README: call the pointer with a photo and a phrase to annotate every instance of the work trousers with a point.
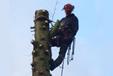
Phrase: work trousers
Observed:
(63, 49)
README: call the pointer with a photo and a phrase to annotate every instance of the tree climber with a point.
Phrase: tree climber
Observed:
(62, 34)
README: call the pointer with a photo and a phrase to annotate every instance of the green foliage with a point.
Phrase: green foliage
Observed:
(54, 28)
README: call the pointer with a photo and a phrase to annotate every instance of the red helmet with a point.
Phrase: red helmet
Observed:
(68, 7)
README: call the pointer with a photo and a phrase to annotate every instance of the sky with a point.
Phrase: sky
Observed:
(94, 41)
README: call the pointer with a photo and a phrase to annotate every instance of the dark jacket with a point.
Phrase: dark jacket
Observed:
(69, 26)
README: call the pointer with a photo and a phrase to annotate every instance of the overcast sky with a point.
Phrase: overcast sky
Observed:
(94, 41)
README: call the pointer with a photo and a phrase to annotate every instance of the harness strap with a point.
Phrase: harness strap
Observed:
(73, 48)
(68, 54)
(69, 50)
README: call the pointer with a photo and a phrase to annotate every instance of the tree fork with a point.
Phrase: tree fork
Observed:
(41, 49)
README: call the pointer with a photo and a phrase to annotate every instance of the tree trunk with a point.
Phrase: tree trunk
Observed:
(41, 51)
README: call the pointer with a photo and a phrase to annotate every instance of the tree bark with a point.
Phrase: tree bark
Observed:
(41, 48)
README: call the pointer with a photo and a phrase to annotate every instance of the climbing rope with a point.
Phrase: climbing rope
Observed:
(54, 11)
(62, 68)
(68, 55)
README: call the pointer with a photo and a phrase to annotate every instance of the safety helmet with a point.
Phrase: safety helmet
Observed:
(68, 7)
